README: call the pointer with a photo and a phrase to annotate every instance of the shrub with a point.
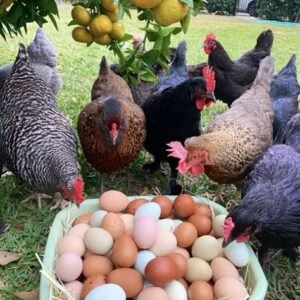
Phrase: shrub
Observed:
(221, 7)
(278, 9)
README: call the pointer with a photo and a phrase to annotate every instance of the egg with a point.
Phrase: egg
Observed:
(153, 293)
(198, 269)
(150, 209)
(130, 280)
(183, 282)
(113, 201)
(165, 225)
(113, 223)
(186, 234)
(97, 264)
(128, 221)
(79, 230)
(98, 240)
(218, 223)
(143, 257)
(180, 262)
(144, 232)
(202, 209)
(124, 251)
(176, 291)
(97, 217)
(74, 288)
(68, 266)
(202, 223)
(70, 243)
(221, 251)
(160, 271)
(134, 205)
(221, 267)
(184, 205)
(182, 251)
(205, 247)
(230, 288)
(105, 292)
(177, 222)
(237, 253)
(200, 290)
(165, 204)
(164, 243)
(90, 283)
(84, 218)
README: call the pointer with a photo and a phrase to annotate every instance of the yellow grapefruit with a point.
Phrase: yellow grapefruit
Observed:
(109, 5)
(100, 25)
(82, 35)
(81, 15)
(113, 15)
(104, 39)
(118, 30)
(146, 3)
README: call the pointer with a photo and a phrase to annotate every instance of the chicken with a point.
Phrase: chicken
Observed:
(284, 94)
(43, 60)
(233, 78)
(178, 71)
(172, 114)
(112, 127)
(235, 139)
(37, 142)
(270, 208)
(291, 135)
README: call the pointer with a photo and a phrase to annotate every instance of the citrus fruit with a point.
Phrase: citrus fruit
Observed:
(118, 31)
(113, 15)
(104, 39)
(146, 3)
(100, 25)
(82, 35)
(109, 5)
(81, 15)
(169, 12)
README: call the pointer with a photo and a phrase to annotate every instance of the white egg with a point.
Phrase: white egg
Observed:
(97, 217)
(217, 225)
(106, 291)
(177, 222)
(237, 253)
(166, 225)
(206, 247)
(151, 210)
(176, 291)
(143, 257)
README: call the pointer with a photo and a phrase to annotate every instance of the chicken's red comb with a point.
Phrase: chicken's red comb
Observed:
(177, 150)
(78, 190)
(227, 228)
(209, 76)
(210, 36)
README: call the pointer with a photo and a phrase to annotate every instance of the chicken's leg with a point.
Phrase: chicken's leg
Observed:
(38, 197)
(59, 202)
(175, 188)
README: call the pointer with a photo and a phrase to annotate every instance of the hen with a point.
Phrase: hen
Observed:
(270, 209)
(36, 141)
(112, 127)
(42, 56)
(235, 139)
(172, 114)
(284, 94)
(291, 135)
(233, 78)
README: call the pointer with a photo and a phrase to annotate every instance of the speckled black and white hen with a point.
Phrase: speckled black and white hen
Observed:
(36, 140)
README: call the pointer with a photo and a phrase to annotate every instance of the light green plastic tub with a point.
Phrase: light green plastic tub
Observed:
(255, 278)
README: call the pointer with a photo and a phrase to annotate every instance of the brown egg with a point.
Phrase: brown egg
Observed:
(182, 251)
(96, 264)
(201, 290)
(230, 288)
(160, 271)
(88, 253)
(134, 205)
(186, 234)
(129, 279)
(222, 267)
(90, 283)
(181, 263)
(202, 209)
(202, 223)
(165, 204)
(124, 251)
(85, 218)
(184, 205)
(113, 223)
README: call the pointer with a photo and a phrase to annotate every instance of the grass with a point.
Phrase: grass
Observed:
(78, 65)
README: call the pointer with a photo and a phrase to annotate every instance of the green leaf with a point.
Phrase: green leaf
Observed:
(73, 22)
(149, 76)
(185, 22)
(49, 5)
(190, 3)
(53, 21)
(146, 14)
(150, 57)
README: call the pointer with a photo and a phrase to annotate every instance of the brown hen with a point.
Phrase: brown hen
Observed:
(111, 127)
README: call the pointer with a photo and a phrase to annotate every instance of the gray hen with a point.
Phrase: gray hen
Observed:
(37, 142)
(43, 58)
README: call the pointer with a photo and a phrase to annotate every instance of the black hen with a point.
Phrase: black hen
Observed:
(284, 94)
(174, 115)
(291, 135)
(270, 208)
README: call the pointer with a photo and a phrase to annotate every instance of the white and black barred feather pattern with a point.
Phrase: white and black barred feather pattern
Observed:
(36, 141)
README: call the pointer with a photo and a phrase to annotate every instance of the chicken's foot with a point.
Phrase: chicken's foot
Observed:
(38, 197)
(60, 202)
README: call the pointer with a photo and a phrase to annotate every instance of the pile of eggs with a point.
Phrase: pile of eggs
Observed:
(148, 250)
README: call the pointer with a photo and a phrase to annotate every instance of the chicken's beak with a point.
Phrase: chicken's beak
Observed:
(210, 96)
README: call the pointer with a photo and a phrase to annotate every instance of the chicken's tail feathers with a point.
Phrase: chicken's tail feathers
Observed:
(104, 67)
(265, 41)
(22, 60)
(265, 72)
(290, 67)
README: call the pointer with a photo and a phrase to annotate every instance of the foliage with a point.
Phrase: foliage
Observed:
(278, 9)
(15, 15)
(221, 7)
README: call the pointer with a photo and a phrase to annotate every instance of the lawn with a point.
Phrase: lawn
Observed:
(78, 65)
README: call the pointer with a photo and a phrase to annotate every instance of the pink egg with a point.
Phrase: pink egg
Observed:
(152, 293)
(113, 201)
(68, 266)
(74, 288)
(164, 244)
(70, 243)
(79, 230)
(128, 222)
(144, 232)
